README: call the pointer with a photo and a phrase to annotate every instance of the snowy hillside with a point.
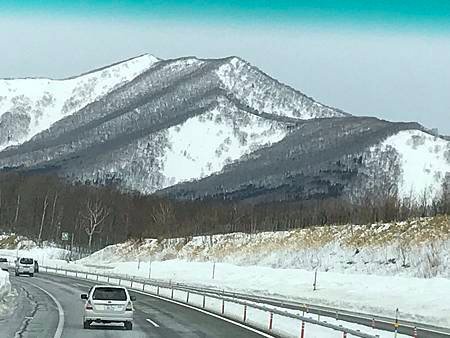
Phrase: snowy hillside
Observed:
(29, 106)
(424, 162)
(182, 153)
(406, 248)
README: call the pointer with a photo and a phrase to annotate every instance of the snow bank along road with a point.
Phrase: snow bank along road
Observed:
(50, 306)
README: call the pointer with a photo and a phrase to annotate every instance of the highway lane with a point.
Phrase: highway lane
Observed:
(36, 314)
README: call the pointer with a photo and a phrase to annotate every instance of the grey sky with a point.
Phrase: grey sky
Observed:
(395, 76)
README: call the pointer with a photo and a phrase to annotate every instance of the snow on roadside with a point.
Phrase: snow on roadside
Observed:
(5, 289)
(13, 246)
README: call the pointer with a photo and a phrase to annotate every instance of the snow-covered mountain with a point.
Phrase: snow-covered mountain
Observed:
(181, 119)
(29, 106)
(224, 127)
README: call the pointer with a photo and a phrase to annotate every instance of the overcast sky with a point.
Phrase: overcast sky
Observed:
(392, 62)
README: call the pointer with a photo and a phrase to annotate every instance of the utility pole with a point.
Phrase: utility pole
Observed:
(150, 269)
(214, 270)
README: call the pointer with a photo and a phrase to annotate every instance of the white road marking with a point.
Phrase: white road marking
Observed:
(261, 333)
(152, 322)
(80, 285)
(60, 327)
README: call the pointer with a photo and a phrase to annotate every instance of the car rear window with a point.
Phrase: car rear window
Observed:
(3, 260)
(27, 261)
(109, 294)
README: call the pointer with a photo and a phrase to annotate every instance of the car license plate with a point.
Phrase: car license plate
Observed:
(113, 307)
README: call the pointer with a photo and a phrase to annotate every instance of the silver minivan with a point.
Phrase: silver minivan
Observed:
(24, 266)
(108, 304)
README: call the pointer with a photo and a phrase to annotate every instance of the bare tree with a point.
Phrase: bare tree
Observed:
(16, 216)
(53, 210)
(96, 214)
(44, 211)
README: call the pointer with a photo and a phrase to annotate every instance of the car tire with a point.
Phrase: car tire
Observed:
(17, 274)
(31, 274)
(128, 326)
(86, 324)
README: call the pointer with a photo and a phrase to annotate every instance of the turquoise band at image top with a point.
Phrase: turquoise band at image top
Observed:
(431, 12)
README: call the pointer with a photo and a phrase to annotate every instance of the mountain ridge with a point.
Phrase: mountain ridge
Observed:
(191, 119)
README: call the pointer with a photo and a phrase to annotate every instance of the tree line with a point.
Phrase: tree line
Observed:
(42, 207)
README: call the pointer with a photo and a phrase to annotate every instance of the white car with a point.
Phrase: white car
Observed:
(24, 266)
(4, 265)
(108, 304)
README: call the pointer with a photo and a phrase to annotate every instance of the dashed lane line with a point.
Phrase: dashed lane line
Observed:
(152, 322)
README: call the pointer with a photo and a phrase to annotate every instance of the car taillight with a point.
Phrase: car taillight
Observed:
(129, 307)
(89, 305)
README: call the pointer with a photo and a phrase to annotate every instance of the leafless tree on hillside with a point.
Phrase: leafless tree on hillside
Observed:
(96, 214)
(44, 211)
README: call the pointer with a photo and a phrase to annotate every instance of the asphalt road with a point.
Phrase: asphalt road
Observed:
(35, 314)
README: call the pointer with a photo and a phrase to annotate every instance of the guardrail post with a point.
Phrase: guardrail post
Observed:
(245, 314)
(396, 324)
(143, 286)
(305, 309)
(120, 280)
(373, 323)
(270, 321)
(86, 276)
(223, 306)
(337, 315)
(157, 290)
(97, 277)
(187, 297)
(302, 332)
(204, 301)
(131, 285)
(171, 294)
(108, 279)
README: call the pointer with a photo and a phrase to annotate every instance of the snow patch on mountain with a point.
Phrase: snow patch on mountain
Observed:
(29, 106)
(424, 162)
(267, 95)
(223, 139)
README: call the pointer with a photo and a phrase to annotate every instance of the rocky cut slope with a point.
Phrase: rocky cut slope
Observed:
(181, 119)
(29, 106)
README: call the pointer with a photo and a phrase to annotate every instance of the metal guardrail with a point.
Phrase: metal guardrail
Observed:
(223, 296)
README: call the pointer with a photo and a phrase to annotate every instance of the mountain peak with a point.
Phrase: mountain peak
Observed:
(29, 106)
